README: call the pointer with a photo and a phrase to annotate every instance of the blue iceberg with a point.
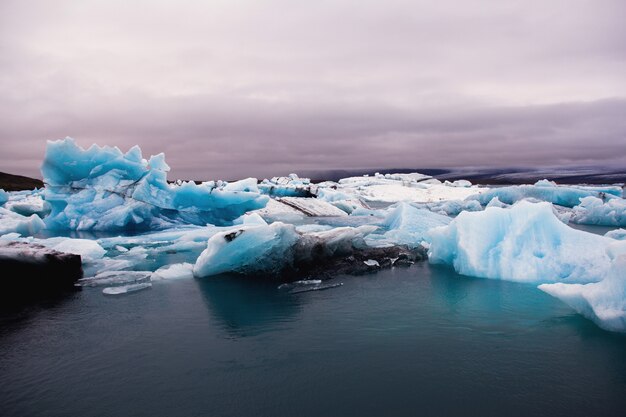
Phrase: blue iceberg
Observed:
(567, 196)
(102, 188)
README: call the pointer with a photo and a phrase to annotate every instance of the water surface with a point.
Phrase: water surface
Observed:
(408, 341)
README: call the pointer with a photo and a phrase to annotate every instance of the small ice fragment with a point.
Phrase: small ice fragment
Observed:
(315, 288)
(125, 289)
(301, 283)
(121, 248)
(174, 271)
(371, 262)
(114, 277)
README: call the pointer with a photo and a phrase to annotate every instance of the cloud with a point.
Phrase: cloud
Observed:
(231, 89)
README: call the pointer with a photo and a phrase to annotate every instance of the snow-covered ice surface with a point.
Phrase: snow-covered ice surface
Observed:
(400, 187)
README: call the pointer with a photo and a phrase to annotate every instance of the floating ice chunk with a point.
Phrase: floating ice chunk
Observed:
(174, 271)
(114, 277)
(125, 289)
(525, 243)
(603, 302)
(313, 207)
(331, 195)
(454, 207)
(301, 283)
(495, 202)
(291, 186)
(277, 211)
(592, 210)
(618, 234)
(251, 219)
(84, 247)
(372, 262)
(316, 288)
(28, 203)
(458, 183)
(409, 226)
(105, 189)
(248, 249)
(271, 249)
(568, 196)
(11, 222)
(545, 183)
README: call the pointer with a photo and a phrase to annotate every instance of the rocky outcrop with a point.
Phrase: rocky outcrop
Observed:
(31, 268)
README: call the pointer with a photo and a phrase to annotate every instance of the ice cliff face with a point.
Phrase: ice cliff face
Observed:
(102, 188)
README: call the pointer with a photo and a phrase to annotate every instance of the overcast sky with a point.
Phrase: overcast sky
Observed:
(240, 88)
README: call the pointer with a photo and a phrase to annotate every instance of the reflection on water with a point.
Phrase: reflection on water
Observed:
(247, 306)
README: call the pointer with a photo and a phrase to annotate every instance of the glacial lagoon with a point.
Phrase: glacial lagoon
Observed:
(421, 340)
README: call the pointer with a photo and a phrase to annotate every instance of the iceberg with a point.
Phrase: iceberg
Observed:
(593, 210)
(453, 207)
(4, 197)
(525, 243)
(393, 188)
(603, 302)
(249, 249)
(291, 186)
(125, 289)
(114, 278)
(102, 188)
(567, 196)
(280, 248)
(86, 248)
(173, 271)
(409, 226)
(28, 203)
(11, 222)
(617, 234)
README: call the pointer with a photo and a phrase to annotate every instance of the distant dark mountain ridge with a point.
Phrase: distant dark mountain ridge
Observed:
(10, 182)
(496, 176)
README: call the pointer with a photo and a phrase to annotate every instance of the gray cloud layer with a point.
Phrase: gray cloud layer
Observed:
(238, 88)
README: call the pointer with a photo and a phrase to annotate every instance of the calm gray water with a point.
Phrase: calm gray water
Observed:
(404, 342)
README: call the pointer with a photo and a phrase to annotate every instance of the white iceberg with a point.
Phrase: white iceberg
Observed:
(603, 302)
(28, 203)
(525, 243)
(409, 226)
(173, 271)
(11, 222)
(593, 210)
(290, 186)
(125, 289)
